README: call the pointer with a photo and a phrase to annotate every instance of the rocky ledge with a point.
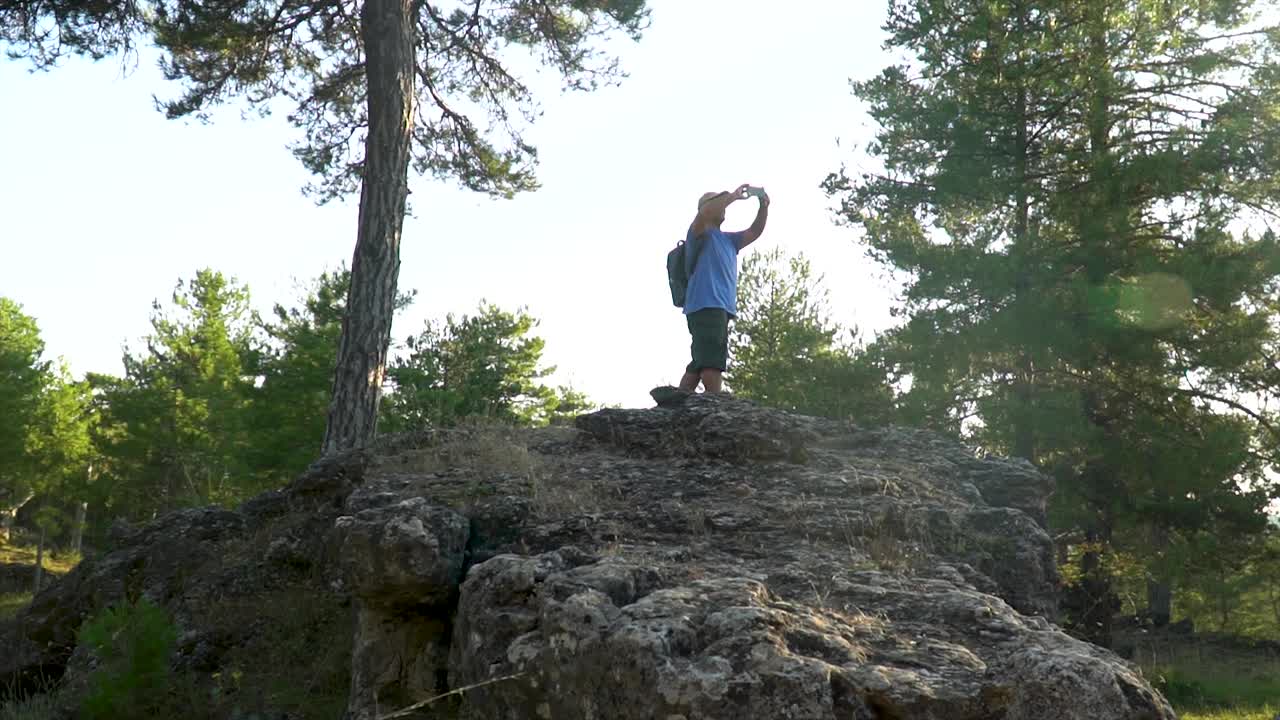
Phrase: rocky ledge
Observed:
(713, 559)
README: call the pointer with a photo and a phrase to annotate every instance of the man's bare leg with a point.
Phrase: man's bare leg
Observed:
(689, 383)
(712, 380)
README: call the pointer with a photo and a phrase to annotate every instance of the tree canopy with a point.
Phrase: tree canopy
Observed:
(486, 364)
(788, 353)
(1076, 194)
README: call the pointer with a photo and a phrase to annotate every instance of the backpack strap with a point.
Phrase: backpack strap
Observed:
(697, 253)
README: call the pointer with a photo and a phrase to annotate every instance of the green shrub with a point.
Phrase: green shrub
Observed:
(132, 645)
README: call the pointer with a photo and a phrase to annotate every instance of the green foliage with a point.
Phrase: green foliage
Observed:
(296, 369)
(297, 375)
(1232, 585)
(45, 445)
(176, 426)
(1216, 691)
(786, 351)
(1205, 687)
(132, 644)
(474, 106)
(566, 403)
(220, 404)
(1067, 202)
(23, 377)
(256, 52)
(482, 365)
(1209, 676)
(62, 448)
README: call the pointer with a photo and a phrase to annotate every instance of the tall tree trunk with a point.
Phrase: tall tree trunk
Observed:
(39, 575)
(1098, 604)
(10, 513)
(1224, 600)
(1159, 582)
(1023, 433)
(1273, 591)
(1159, 601)
(1091, 602)
(77, 532)
(387, 31)
(1095, 228)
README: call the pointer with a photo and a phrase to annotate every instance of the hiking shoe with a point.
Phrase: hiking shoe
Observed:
(668, 396)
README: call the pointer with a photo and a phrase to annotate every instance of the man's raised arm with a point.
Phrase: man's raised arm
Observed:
(714, 208)
(754, 232)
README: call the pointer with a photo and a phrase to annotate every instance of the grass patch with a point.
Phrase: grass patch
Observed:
(1206, 680)
(1267, 712)
(1203, 689)
(58, 562)
(11, 603)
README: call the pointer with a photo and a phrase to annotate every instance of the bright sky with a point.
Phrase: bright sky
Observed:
(104, 204)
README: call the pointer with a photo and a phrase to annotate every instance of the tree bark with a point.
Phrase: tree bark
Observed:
(386, 29)
(1095, 620)
(77, 533)
(1023, 434)
(1159, 601)
(39, 575)
(10, 513)
(1160, 584)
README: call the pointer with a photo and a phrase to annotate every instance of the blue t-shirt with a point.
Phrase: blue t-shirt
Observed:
(714, 283)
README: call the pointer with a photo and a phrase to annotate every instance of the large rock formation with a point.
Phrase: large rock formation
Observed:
(708, 560)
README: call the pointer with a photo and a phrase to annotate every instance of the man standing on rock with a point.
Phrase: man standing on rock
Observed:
(712, 296)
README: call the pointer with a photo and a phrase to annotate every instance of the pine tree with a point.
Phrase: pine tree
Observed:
(23, 378)
(788, 353)
(178, 421)
(481, 365)
(1064, 182)
(376, 87)
(296, 371)
(61, 451)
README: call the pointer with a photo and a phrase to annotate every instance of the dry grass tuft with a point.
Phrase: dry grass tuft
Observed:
(561, 491)
(486, 447)
(11, 603)
(498, 458)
